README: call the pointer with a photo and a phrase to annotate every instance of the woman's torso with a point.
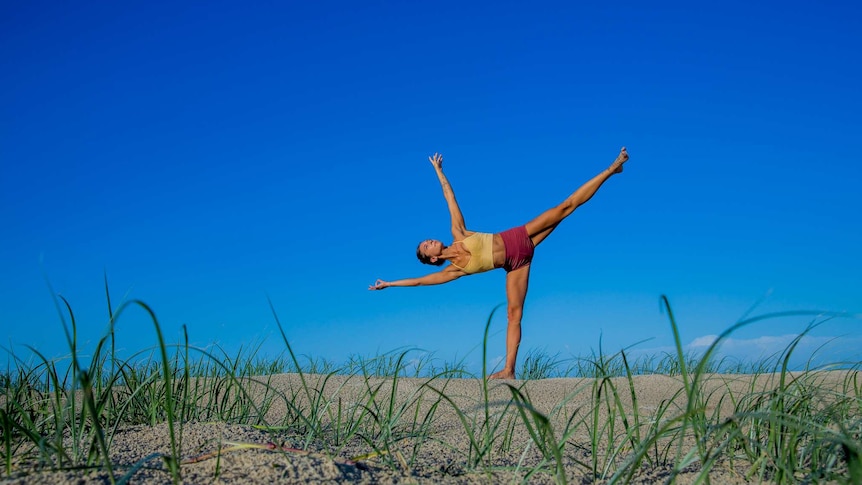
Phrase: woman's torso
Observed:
(481, 252)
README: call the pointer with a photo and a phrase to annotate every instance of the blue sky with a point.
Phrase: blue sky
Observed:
(208, 156)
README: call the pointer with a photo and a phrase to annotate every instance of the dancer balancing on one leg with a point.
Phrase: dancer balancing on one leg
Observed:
(476, 252)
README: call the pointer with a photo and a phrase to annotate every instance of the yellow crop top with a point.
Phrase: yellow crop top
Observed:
(481, 247)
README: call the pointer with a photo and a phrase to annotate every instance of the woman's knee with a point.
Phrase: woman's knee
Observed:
(568, 207)
(562, 211)
(514, 314)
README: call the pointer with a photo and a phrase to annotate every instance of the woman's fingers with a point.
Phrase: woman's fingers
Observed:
(436, 160)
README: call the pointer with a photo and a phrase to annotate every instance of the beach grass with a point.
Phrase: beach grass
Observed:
(404, 414)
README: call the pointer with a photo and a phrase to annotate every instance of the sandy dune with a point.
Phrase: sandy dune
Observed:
(422, 437)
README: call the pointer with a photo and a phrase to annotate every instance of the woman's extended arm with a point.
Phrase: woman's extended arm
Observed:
(459, 229)
(447, 274)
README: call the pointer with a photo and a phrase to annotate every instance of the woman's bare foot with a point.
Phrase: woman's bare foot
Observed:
(617, 166)
(503, 374)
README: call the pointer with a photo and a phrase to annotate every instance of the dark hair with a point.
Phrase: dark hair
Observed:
(425, 259)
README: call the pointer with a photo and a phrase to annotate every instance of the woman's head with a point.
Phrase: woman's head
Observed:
(429, 252)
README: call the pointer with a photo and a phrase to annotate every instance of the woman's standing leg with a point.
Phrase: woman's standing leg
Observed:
(516, 292)
(540, 227)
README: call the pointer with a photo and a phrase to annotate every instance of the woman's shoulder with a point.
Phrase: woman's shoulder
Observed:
(462, 235)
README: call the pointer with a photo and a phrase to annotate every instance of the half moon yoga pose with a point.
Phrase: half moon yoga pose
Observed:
(476, 252)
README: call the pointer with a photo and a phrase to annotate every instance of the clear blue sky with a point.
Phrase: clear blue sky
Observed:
(206, 155)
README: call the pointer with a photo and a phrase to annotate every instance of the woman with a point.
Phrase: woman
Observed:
(476, 252)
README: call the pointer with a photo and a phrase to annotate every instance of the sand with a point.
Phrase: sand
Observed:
(444, 454)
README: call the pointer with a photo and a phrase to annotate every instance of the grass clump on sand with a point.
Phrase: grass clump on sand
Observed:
(385, 417)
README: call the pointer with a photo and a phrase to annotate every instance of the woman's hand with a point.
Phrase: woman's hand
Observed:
(379, 285)
(437, 161)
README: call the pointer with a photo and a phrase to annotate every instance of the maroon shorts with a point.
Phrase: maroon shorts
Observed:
(519, 248)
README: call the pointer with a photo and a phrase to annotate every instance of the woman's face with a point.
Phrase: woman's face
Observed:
(431, 248)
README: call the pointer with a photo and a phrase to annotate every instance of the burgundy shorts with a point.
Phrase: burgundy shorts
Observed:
(519, 248)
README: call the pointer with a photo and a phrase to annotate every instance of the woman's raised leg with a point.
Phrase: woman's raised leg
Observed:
(540, 227)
